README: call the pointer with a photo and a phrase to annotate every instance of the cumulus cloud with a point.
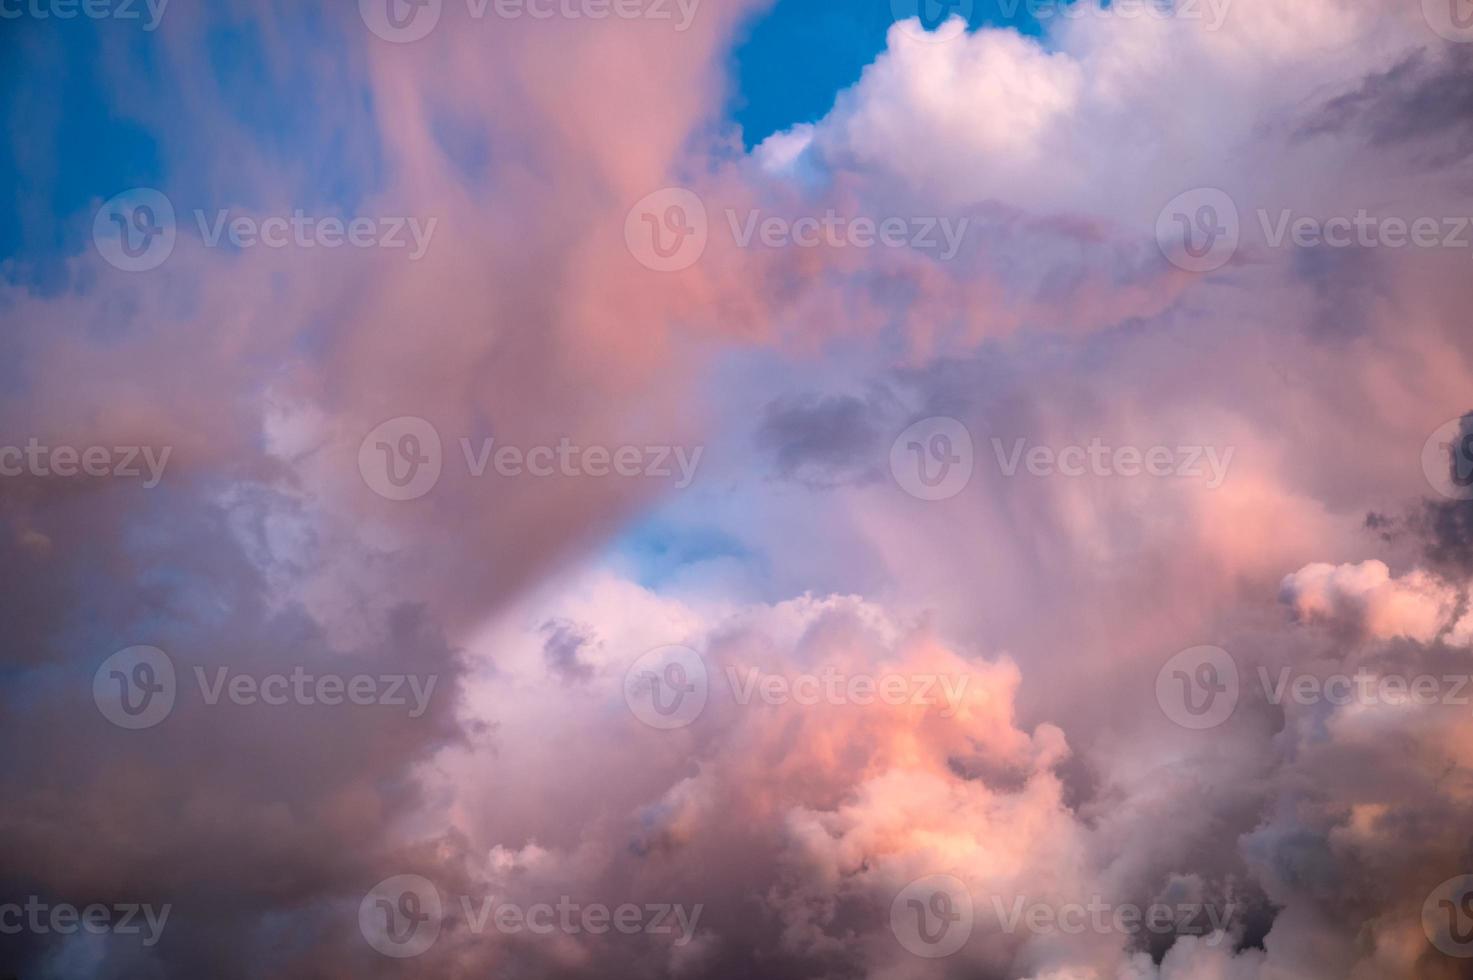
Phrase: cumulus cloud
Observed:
(1417, 606)
(1037, 767)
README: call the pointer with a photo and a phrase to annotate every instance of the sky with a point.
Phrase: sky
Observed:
(758, 488)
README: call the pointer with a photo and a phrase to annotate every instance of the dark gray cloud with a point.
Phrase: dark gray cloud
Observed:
(1425, 101)
(565, 639)
(826, 441)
